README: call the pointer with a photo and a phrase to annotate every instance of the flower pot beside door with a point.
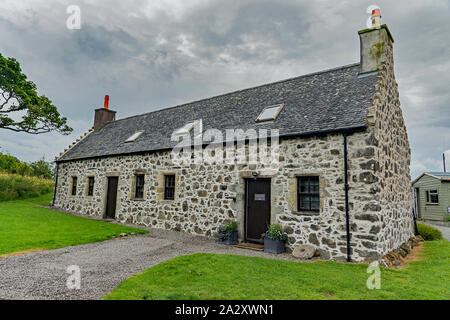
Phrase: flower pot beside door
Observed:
(228, 233)
(275, 239)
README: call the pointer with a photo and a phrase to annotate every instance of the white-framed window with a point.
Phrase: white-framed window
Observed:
(432, 196)
(270, 113)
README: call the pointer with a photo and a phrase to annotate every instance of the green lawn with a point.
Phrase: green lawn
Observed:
(212, 276)
(25, 226)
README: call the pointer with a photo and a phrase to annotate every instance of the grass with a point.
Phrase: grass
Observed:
(14, 186)
(25, 226)
(212, 276)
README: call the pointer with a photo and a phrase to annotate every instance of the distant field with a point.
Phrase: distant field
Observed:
(24, 226)
(14, 186)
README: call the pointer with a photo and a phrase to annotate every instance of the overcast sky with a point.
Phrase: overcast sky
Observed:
(152, 54)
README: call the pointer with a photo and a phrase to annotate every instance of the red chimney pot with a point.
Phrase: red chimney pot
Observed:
(376, 13)
(106, 102)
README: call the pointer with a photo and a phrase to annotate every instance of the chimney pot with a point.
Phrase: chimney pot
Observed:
(376, 18)
(103, 115)
(106, 106)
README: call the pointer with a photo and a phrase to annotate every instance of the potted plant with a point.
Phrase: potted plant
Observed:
(275, 239)
(228, 233)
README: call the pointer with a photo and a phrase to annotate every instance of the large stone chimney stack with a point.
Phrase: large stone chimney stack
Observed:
(374, 44)
(103, 115)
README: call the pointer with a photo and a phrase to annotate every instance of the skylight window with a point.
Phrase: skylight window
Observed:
(187, 128)
(270, 113)
(135, 136)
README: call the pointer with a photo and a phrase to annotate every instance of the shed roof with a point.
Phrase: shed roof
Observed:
(443, 176)
(328, 101)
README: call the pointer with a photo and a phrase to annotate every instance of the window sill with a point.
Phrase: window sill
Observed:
(306, 213)
(137, 199)
(164, 201)
(431, 204)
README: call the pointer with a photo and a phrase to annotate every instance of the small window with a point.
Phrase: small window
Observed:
(140, 181)
(432, 196)
(308, 194)
(91, 186)
(270, 113)
(169, 187)
(74, 185)
(135, 136)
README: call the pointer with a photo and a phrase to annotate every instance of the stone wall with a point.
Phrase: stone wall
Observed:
(208, 195)
(391, 167)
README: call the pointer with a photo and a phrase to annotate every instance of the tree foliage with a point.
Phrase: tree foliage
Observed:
(41, 168)
(21, 108)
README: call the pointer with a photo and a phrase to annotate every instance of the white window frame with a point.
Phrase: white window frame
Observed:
(428, 196)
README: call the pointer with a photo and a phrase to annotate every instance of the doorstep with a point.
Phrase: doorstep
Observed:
(250, 246)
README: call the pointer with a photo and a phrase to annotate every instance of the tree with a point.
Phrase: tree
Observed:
(8, 163)
(42, 169)
(21, 108)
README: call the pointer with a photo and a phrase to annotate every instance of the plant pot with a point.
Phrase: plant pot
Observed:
(231, 240)
(274, 246)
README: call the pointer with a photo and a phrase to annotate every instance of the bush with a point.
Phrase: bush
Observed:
(13, 186)
(276, 232)
(429, 233)
(447, 218)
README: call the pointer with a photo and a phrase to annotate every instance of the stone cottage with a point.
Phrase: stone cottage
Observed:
(341, 182)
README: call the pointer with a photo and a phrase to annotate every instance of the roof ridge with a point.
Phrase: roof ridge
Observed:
(242, 90)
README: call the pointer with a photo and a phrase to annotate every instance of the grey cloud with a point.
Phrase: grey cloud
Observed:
(179, 51)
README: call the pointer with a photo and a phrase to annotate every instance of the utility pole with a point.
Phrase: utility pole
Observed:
(443, 159)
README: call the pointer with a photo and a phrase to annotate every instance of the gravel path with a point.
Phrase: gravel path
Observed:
(103, 265)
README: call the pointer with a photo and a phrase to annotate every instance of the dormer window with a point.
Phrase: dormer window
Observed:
(270, 113)
(135, 136)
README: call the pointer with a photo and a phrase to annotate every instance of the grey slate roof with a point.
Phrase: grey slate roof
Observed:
(321, 102)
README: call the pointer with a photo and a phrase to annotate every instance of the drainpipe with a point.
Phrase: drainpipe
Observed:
(56, 184)
(347, 216)
(416, 231)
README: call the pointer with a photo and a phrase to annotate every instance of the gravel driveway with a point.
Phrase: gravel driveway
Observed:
(103, 265)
